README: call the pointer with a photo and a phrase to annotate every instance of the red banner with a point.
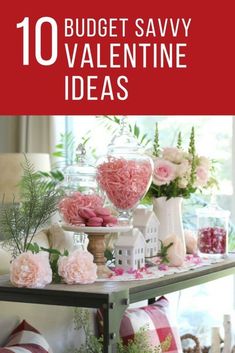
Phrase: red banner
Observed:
(151, 57)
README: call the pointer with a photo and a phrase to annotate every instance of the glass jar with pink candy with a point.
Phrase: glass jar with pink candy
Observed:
(125, 173)
(82, 202)
(212, 225)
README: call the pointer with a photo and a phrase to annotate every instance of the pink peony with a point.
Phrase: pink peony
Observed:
(164, 172)
(202, 176)
(31, 270)
(176, 252)
(78, 267)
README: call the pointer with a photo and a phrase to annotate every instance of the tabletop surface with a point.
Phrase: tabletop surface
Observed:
(179, 281)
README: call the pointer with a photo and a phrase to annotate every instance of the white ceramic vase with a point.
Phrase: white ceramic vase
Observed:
(169, 214)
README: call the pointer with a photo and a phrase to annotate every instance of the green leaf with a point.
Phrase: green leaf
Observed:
(136, 131)
(51, 251)
(66, 253)
(57, 154)
(59, 145)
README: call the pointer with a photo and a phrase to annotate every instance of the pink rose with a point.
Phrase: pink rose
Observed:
(78, 267)
(202, 176)
(164, 172)
(31, 270)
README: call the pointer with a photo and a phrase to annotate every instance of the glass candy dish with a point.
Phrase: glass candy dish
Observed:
(125, 173)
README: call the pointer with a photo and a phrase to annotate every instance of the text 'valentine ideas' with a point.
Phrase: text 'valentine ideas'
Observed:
(98, 55)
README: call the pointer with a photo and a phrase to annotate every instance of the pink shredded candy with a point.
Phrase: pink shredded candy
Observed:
(86, 210)
(124, 181)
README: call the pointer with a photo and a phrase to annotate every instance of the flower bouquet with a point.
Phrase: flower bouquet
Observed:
(177, 174)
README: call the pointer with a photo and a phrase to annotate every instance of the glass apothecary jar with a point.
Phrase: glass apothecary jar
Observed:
(212, 229)
(79, 190)
(125, 173)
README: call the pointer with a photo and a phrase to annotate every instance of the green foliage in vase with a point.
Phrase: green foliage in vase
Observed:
(93, 344)
(111, 123)
(156, 145)
(19, 222)
(179, 173)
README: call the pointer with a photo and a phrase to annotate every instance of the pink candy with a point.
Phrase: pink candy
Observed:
(86, 210)
(124, 181)
(102, 211)
(109, 220)
(212, 240)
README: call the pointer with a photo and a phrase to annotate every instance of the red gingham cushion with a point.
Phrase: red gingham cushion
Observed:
(26, 339)
(157, 320)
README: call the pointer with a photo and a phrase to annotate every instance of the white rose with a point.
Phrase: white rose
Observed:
(173, 154)
(183, 183)
(183, 168)
(204, 162)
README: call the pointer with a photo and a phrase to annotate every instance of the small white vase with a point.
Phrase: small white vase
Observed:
(169, 214)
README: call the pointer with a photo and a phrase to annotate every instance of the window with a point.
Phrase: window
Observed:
(120, 252)
(119, 262)
(128, 252)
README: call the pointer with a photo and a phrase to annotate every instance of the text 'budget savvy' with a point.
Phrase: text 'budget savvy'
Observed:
(121, 27)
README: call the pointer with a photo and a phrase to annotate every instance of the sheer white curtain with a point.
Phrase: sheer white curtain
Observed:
(29, 134)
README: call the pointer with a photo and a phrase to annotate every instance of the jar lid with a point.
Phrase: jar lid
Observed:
(123, 141)
(212, 210)
(82, 165)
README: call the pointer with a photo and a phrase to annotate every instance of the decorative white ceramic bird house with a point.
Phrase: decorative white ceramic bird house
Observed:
(147, 222)
(130, 250)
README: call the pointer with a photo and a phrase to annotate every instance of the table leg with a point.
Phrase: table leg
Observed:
(113, 313)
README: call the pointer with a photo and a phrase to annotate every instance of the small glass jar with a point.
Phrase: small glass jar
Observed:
(79, 193)
(125, 173)
(212, 229)
(80, 176)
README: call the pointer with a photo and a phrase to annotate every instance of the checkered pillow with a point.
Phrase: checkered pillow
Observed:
(26, 339)
(156, 319)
